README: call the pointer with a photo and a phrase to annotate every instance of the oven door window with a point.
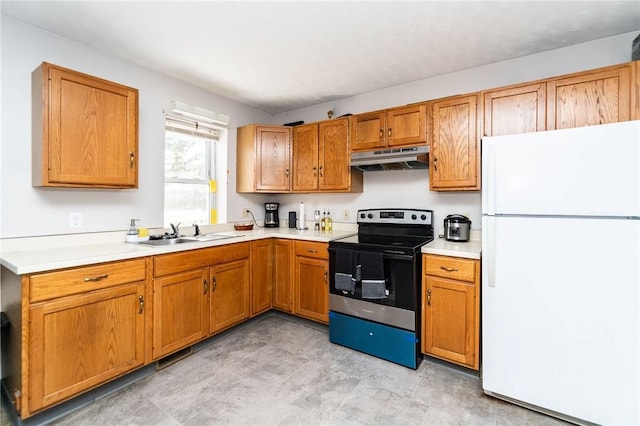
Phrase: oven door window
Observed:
(400, 273)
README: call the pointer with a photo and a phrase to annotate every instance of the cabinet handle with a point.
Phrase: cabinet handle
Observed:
(94, 279)
(141, 302)
(215, 284)
(321, 171)
(287, 173)
(429, 297)
(312, 250)
(381, 133)
(445, 268)
(389, 132)
(314, 171)
(206, 286)
(326, 276)
(132, 159)
(435, 164)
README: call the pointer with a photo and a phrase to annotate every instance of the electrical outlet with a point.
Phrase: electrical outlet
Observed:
(345, 214)
(75, 220)
(245, 212)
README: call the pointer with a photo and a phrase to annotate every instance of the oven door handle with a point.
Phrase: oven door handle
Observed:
(397, 255)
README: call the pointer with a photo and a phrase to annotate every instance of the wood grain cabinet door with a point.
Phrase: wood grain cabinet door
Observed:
(229, 294)
(455, 158)
(261, 275)
(312, 288)
(282, 276)
(590, 98)
(180, 311)
(334, 172)
(90, 131)
(513, 110)
(407, 126)
(79, 342)
(367, 131)
(304, 159)
(273, 145)
(449, 328)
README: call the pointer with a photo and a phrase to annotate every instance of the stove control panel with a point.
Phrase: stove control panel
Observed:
(396, 216)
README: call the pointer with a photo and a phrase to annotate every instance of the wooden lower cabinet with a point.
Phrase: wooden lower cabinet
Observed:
(451, 309)
(312, 280)
(283, 275)
(261, 276)
(180, 304)
(229, 295)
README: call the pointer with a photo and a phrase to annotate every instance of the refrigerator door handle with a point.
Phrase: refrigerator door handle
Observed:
(490, 250)
(488, 177)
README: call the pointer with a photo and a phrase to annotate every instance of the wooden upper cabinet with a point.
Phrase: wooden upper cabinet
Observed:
(264, 159)
(402, 126)
(407, 126)
(321, 158)
(516, 109)
(305, 157)
(334, 172)
(590, 98)
(89, 130)
(455, 156)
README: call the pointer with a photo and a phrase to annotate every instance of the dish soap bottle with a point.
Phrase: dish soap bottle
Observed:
(323, 221)
(132, 233)
(329, 224)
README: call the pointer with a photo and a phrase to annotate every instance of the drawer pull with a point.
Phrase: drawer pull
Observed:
(94, 279)
(141, 302)
(312, 250)
(429, 297)
(206, 286)
(445, 268)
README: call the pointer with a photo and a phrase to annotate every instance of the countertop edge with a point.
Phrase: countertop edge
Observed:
(468, 250)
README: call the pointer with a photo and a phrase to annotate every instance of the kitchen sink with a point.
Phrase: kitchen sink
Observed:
(167, 241)
(212, 237)
(190, 239)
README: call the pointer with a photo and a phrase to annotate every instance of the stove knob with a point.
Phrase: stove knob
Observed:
(361, 215)
(414, 217)
(423, 217)
(370, 216)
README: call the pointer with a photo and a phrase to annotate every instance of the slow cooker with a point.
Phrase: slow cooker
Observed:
(456, 227)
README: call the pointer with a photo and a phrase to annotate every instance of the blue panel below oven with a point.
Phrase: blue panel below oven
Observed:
(390, 343)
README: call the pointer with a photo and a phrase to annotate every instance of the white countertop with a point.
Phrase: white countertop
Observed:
(470, 250)
(41, 254)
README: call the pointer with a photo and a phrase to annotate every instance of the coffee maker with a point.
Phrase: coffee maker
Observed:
(271, 219)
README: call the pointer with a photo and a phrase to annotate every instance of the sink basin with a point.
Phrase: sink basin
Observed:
(167, 241)
(212, 237)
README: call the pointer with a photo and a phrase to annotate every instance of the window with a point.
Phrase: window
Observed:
(194, 155)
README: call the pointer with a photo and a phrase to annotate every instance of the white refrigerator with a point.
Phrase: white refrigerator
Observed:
(561, 272)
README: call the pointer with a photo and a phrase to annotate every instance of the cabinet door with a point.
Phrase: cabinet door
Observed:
(81, 341)
(261, 275)
(305, 158)
(449, 322)
(334, 170)
(455, 158)
(229, 294)
(513, 110)
(367, 131)
(90, 136)
(180, 310)
(312, 288)
(273, 145)
(282, 276)
(407, 126)
(590, 98)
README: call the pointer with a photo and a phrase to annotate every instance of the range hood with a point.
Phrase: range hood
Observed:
(416, 157)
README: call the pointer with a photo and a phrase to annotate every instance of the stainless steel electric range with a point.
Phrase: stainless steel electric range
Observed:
(375, 277)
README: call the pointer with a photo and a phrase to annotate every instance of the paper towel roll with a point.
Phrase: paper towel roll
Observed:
(302, 219)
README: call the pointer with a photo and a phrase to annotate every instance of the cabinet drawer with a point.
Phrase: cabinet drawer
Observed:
(194, 259)
(450, 267)
(312, 249)
(80, 280)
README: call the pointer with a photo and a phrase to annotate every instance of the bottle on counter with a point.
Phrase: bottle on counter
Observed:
(323, 221)
(329, 224)
(316, 217)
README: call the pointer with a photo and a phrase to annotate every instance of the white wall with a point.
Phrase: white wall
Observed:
(411, 188)
(28, 211)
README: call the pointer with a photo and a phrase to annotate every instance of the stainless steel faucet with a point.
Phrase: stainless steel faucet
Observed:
(176, 229)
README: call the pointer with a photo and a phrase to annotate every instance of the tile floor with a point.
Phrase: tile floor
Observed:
(280, 370)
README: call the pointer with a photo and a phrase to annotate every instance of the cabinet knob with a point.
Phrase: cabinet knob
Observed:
(321, 171)
(435, 164)
(215, 284)
(381, 134)
(429, 297)
(314, 171)
(389, 132)
(141, 304)
(206, 286)
(132, 159)
(326, 277)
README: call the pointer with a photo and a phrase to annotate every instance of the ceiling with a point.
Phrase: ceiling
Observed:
(283, 55)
